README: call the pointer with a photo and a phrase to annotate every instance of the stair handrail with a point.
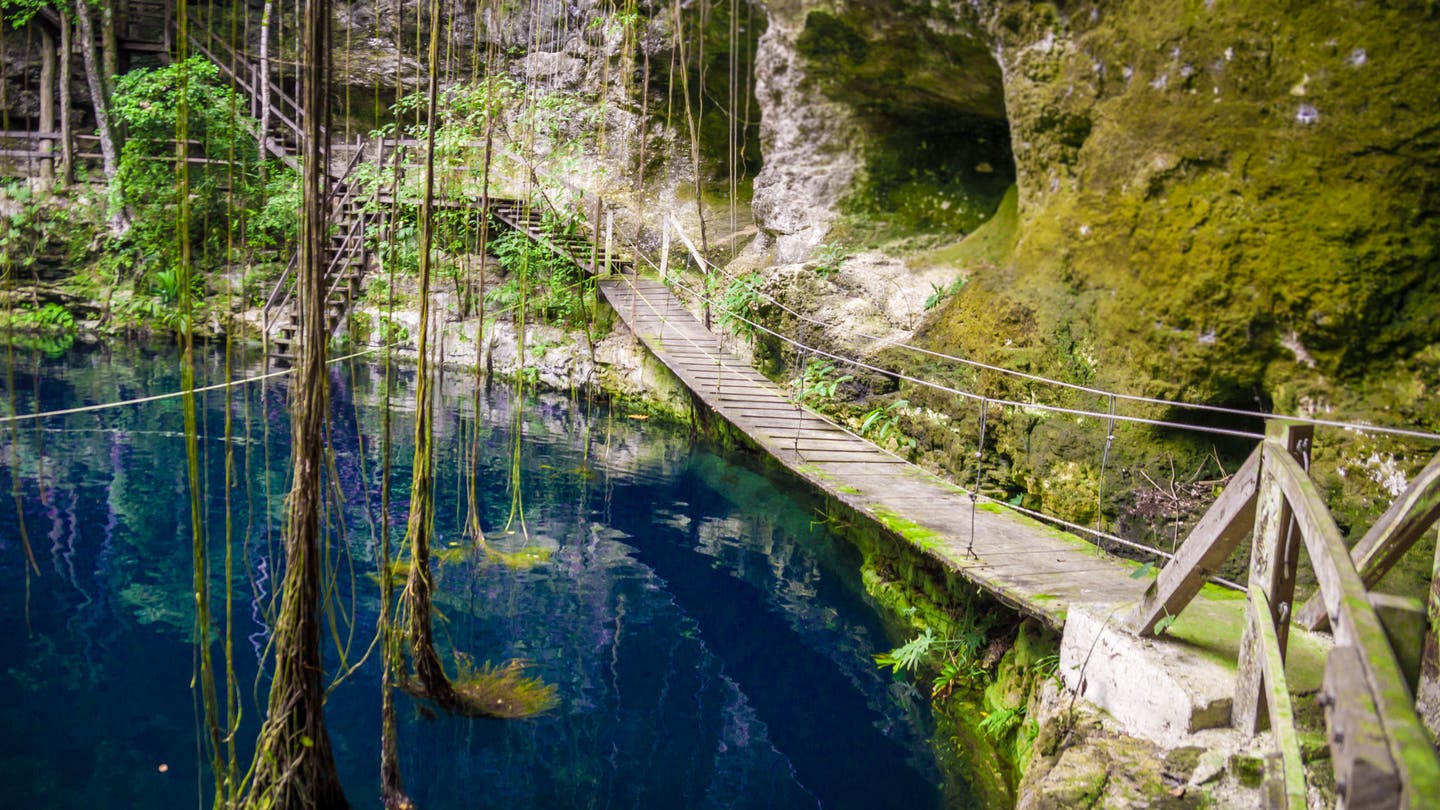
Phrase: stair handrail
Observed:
(283, 291)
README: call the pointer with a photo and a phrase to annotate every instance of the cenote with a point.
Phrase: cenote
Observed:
(707, 634)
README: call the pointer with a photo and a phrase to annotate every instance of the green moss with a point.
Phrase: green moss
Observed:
(830, 41)
(910, 530)
(1250, 771)
(1183, 234)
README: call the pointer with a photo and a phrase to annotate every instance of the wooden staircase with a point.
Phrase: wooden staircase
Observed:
(521, 216)
(347, 257)
(347, 254)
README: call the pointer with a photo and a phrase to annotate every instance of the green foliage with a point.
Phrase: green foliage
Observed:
(818, 383)
(222, 173)
(377, 291)
(939, 292)
(63, 224)
(18, 12)
(167, 286)
(908, 656)
(829, 258)
(1001, 722)
(741, 301)
(882, 424)
(274, 224)
(554, 287)
(52, 319)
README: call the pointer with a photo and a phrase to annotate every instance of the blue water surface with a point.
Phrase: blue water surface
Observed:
(708, 636)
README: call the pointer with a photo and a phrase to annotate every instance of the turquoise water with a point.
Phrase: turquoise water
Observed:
(708, 636)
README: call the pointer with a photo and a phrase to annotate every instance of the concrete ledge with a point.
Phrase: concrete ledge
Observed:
(1169, 688)
(1161, 690)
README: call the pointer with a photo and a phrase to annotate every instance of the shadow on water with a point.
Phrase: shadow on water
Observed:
(710, 644)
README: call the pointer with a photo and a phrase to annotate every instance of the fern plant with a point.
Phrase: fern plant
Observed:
(817, 383)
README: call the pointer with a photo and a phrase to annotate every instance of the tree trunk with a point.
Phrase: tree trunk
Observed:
(109, 49)
(47, 106)
(263, 77)
(85, 29)
(294, 766)
(67, 140)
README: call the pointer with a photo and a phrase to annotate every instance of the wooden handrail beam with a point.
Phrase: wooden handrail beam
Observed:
(1208, 545)
(1282, 712)
(1343, 593)
(1405, 522)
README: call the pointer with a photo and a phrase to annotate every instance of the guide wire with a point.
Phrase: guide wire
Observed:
(977, 495)
(975, 492)
(1217, 409)
(172, 394)
(969, 394)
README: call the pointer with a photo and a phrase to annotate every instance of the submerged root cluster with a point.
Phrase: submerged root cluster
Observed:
(503, 692)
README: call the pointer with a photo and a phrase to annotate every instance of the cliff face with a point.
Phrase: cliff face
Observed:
(1218, 201)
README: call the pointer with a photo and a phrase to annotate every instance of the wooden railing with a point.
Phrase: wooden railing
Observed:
(245, 77)
(1380, 751)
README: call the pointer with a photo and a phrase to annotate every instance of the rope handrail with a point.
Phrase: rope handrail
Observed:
(1093, 532)
(103, 406)
(1137, 398)
(971, 395)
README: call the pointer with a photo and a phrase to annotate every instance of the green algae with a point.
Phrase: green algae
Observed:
(921, 537)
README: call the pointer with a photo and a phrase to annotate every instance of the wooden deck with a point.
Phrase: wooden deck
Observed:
(1030, 566)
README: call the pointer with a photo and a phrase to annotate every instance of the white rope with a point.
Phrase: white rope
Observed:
(1093, 532)
(1218, 409)
(173, 394)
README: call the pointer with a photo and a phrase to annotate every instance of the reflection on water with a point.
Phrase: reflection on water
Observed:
(709, 640)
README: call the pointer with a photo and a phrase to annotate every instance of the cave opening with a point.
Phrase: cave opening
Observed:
(931, 101)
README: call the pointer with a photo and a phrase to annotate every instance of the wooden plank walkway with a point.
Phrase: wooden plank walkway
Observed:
(1025, 564)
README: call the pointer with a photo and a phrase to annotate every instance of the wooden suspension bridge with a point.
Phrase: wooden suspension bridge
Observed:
(1381, 752)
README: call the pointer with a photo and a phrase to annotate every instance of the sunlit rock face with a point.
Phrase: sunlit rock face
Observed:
(885, 111)
(1218, 201)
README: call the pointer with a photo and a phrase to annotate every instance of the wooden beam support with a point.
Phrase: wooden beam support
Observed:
(1406, 521)
(1282, 712)
(1427, 696)
(1404, 620)
(1365, 774)
(1274, 556)
(1208, 545)
(1356, 624)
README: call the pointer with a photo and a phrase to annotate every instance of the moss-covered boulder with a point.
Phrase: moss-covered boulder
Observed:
(1218, 200)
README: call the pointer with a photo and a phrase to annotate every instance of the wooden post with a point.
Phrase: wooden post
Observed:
(1274, 555)
(609, 238)
(47, 105)
(1427, 696)
(664, 249)
(595, 241)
